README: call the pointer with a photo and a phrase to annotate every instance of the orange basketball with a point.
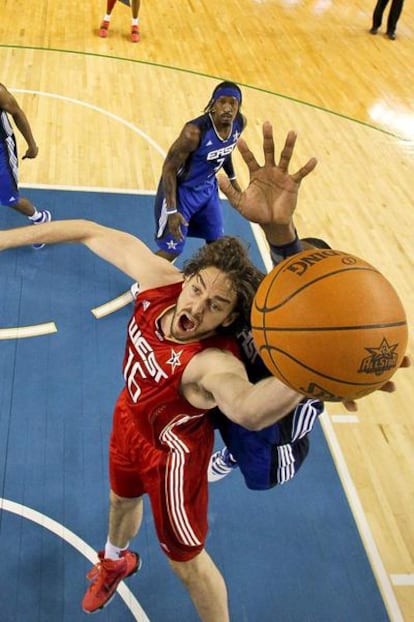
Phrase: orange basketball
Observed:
(329, 325)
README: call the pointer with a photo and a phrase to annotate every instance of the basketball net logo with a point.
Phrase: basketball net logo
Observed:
(381, 359)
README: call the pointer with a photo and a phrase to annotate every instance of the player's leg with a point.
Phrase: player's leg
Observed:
(377, 15)
(206, 587)
(221, 464)
(168, 247)
(10, 194)
(207, 222)
(393, 16)
(179, 504)
(116, 561)
(135, 34)
(104, 27)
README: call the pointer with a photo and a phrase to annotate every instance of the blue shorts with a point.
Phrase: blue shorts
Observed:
(200, 207)
(9, 193)
(273, 455)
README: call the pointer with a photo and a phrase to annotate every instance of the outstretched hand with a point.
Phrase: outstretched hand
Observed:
(271, 195)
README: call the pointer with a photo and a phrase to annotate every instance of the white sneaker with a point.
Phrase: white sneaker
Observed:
(45, 216)
(221, 464)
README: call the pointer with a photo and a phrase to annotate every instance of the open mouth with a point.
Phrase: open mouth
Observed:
(186, 323)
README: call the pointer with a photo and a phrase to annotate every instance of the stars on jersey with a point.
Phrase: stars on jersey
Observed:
(236, 135)
(174, 359)
(171, 245)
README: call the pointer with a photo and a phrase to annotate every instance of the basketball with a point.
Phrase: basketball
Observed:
(329, 325)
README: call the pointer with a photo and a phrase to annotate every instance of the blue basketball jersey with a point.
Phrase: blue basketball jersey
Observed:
(197, 189)
(204, 163)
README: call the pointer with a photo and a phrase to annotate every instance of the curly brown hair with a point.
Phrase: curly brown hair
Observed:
(229, 255)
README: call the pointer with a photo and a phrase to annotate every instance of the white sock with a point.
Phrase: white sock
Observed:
(112, 551)
(36, 215)
(107, 18)
(135, 21)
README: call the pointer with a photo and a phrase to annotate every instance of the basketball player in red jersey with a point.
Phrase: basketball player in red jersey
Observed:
(178, 364)
(106, 22)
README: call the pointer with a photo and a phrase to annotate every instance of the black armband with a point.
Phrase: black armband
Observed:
(229, 168)
(278, 253)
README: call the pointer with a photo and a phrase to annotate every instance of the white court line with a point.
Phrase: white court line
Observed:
(113, 305)
(96, 189)
(80, 545)
(377, 565)
(119, 302)
(361, 521)
(402, 580)
(111, 115)
(20, 332)
(345, 418)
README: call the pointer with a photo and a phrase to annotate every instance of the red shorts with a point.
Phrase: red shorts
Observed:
(173, 474)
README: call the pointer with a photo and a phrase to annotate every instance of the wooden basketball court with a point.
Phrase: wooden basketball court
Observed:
(104, 113)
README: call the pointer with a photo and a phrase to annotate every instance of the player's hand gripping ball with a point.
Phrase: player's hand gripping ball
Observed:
(329, 325)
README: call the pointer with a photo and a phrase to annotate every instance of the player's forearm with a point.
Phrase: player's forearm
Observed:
(169, 181)
(48, 233)
(279, 234)
(24, 128)
(255, 406)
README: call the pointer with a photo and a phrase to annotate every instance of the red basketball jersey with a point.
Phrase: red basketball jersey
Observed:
(153, 366)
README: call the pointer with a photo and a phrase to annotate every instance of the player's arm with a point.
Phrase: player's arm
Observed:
(228, 168)
(119, 248)
(180, 150)
(222, 381)
(182, 147)
(9, 104)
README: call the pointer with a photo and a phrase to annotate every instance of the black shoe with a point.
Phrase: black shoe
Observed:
(374, 30)
(391, 35)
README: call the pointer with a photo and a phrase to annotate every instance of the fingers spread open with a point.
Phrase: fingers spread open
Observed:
(247, 156)
(228, 190)
(286, 153)
(305, 170)
(268, 144)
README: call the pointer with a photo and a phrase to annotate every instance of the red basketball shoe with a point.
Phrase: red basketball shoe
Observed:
(135, 36)
(105, 577)
(103, 29)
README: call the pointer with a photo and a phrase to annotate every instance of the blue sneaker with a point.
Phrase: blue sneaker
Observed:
(221, 464)
(44, 216)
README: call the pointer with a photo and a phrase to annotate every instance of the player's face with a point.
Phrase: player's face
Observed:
(225, 109)
(206, 302)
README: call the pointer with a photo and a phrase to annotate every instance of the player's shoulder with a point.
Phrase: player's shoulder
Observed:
(202, 122)
(4, 93)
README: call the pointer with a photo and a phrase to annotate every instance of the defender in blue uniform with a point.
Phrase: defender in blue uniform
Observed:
(187, 201)
(9, 162)
(273, 455)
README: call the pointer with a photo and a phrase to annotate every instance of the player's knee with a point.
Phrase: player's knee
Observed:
(189, 569)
